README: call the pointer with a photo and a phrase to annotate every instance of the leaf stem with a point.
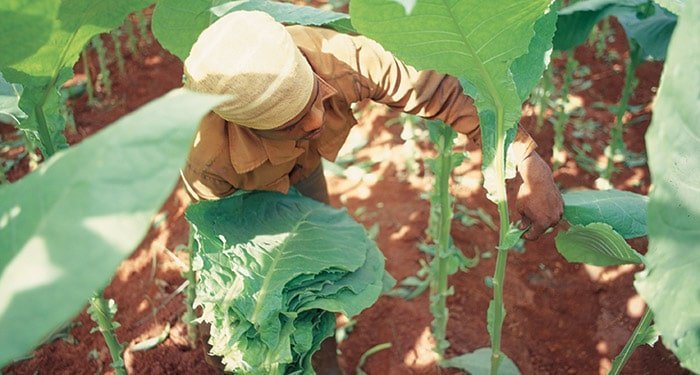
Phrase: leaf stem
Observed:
(632, 343)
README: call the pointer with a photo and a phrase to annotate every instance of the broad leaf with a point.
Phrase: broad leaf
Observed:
(290, 14)
(648, 24)
(71, 222)
(455, 37)
(9, 99)
(42, 67)
(269, 264)
(674, 6)
(597, 244)
(527, 69)
(625, 211)
(177, 24)
(478, 362)
(652, 33)
(671, 282)
(576, 21)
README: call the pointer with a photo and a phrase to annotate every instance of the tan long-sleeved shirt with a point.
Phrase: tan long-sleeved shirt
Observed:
(226, 157)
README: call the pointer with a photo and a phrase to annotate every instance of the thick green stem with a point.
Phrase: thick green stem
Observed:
(616, 143)
(499, 310)
(632, 343)
(102, 315)
(190, 315)
(438, 284)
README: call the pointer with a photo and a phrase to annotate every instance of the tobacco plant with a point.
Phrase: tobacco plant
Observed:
(502, 67)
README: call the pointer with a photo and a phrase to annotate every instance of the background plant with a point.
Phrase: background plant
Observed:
(601, 221)
(648, 28)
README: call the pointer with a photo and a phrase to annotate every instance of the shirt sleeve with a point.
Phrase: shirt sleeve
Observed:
(429, 94)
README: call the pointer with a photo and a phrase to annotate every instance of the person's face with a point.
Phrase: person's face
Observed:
(306, 125)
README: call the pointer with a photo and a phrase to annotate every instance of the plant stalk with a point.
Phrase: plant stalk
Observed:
(562, 117)
(102, 315)
(632, 343)
(616, 143)
(438, 283)
(190, 294)
(89, 85)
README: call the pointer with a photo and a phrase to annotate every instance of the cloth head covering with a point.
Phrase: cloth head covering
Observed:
(253, 58)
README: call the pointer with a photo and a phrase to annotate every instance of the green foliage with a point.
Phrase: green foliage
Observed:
(177, 24)
(478, 362)
(103, 192)
(674, 6)
(44, 41)
(9, 99)
(670, 283)
(624, 211)
(597, 244)
(102, 312)
(644, 334)
(643, 21)
(273, 268)
(452, 37)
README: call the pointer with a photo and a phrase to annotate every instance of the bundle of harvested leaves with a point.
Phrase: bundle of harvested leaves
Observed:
(273, 269)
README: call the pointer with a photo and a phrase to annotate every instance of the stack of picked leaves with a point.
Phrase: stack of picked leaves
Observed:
(273, 270)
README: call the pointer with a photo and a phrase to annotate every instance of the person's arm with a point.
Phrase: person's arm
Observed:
(432, 95)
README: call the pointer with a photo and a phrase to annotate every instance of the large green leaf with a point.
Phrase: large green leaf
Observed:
(268, 265)
(65, 227)
(48, 47)
(177, 24)
(456, 37)
(9, 100)
(527, 69)
(671, 282)
(625, 211)
(597, 244)
(674, 6)
(478, 362)
(290, 13)
(647, 23)
(576, 21)
(652, 32)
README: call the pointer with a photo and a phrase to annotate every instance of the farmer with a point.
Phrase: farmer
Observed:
(291, 91)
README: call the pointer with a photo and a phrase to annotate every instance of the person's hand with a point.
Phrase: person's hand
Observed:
(539, 201)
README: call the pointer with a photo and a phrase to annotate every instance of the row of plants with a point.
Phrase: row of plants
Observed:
(499, 69)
